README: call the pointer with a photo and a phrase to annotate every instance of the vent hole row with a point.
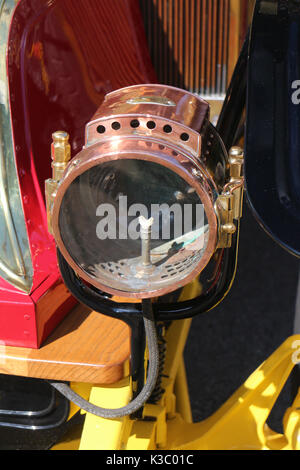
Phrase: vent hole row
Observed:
(179, 267)
(135, 123)
(113, 268)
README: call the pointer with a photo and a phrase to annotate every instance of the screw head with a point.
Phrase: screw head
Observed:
(196, 172)
(229, 228)
(236, 152)
(60, 136)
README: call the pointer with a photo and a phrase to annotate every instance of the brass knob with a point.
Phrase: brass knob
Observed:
(236, 161)
(236, 152)
(60, 153)
(229, 228)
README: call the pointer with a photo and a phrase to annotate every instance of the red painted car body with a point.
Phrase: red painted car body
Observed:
(63, 56)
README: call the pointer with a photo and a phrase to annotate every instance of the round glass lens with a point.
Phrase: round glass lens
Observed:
(133, 225)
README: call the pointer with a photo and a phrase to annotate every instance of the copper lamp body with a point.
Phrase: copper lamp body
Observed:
(148, 143)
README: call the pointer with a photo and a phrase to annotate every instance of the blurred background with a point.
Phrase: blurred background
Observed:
(227, 344)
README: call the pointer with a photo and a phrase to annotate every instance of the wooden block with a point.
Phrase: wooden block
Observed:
(85, 347)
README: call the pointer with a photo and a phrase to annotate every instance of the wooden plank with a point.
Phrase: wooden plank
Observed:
(203, 47)
(181, 61)
(215, 6)
(225, 79)
(220, 39)
(176, 43)
(187, 44)
(192, 46)
(209, 47)
(85, 347)
(197, 47)
(171, 53)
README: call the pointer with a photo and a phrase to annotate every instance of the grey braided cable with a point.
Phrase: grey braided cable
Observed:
(144, 395)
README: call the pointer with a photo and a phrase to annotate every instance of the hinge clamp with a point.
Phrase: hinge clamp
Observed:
(229, 205)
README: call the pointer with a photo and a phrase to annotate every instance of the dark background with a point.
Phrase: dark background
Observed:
(227, 344)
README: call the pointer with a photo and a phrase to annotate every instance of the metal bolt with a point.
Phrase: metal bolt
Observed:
(236, 152)
(229, 228)
(146, 238)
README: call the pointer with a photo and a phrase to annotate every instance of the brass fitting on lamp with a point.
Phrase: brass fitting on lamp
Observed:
(236, 162)
(150, 146)
(230, 203)
(61, 155)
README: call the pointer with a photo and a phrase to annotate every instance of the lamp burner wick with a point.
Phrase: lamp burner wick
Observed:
(146, 227)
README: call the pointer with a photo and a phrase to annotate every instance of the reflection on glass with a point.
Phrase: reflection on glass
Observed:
(99, 223)
(15, 258)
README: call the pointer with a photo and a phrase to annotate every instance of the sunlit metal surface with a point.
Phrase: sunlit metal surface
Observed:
(15, 258)
(165, 157)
